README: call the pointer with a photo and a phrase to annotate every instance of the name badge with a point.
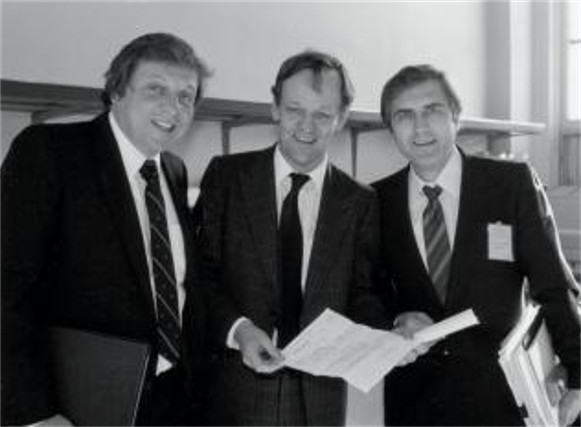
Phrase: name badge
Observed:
(500, 242)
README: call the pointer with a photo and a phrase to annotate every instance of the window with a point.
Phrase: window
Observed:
(572, 60)
(570, 91)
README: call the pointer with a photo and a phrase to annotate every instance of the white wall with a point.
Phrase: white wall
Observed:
(72, 43)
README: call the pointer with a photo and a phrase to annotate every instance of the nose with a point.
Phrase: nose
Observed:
(421, 121)
(307, 125)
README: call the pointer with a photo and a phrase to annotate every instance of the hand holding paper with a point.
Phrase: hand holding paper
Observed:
(333, 345)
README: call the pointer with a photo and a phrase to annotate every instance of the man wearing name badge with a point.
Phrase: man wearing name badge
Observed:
(96, 235)
(285, 235)
(463, 232)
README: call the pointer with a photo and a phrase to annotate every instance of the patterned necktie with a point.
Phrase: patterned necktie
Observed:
(438, 252)
(168, 324)
(291, 260)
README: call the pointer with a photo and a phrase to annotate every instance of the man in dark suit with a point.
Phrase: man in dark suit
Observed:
(80, 247)
(285, 235)
(467, 241)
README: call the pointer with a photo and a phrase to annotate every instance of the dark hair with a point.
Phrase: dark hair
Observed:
(411, 76)
(317, 62)
(160, 47)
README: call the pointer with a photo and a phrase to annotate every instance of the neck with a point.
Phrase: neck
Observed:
(303, 167)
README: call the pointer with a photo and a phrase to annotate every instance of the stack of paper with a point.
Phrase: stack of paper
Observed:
(527, 358)
(333, 345)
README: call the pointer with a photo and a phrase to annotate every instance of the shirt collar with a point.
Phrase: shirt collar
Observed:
(282, 169)
(132, 158)
(449, 179)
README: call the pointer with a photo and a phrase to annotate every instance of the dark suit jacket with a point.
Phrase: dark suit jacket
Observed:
(73, 255)
(238, 199)
(459, 381)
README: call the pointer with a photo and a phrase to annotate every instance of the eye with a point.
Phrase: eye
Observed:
(154, 89)
(187, 99)
(293, 110)
(322, 117)
(403, 117)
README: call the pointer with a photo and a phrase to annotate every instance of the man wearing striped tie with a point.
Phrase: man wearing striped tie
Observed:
(463, 232)
(95, 236)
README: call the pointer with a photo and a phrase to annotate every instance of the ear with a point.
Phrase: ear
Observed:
(343, 117)
(114, 98)
(275, 112)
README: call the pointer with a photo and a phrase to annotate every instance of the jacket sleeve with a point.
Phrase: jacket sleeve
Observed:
(222, 313)
(30, 192)
(551, 281)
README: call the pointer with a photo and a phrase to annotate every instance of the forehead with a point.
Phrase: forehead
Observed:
(306, 86)
(165, 71)
(419, 95)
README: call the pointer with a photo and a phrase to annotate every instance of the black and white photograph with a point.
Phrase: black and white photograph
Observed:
(276, 213)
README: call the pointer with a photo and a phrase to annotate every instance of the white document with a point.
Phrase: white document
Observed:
(335, 346)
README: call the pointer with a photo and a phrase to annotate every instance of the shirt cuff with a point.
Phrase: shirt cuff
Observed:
(230, 341)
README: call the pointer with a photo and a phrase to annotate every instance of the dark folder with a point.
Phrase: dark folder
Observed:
(99, 378)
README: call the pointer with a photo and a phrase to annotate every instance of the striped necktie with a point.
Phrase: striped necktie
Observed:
(438, 252)
(168, 324)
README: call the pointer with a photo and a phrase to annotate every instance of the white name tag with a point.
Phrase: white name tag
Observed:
(500, 242)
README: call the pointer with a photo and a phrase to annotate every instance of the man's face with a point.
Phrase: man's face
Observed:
(424, 128)
(158, 105)
(309, 115)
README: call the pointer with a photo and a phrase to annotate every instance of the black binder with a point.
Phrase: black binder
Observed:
(98, 378)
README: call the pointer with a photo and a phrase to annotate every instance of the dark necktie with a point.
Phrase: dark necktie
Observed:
(168, 324)
(291, 260)
(438, 252)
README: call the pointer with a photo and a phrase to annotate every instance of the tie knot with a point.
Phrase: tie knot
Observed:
(432, 193)
(298, 180)
(149, 171)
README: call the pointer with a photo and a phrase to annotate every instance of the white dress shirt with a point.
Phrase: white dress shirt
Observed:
(450, 180)
(133, 160)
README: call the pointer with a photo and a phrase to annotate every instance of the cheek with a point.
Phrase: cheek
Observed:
(403, 138)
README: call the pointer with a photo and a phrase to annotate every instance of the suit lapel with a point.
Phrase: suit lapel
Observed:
(258, 189)
(335, 213)
(119, 200)
(465, 226)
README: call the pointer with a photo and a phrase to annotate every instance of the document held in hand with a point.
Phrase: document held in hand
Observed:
(527, 359)
(335, 346)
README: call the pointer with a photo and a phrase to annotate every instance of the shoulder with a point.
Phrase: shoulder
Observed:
(234, 163)
(499, 171)
(45, 141)
(344, 184)
(391, 182)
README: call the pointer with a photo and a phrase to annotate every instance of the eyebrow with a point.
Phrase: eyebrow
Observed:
(431, 104)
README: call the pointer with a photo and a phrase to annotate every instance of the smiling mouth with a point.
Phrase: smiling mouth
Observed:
(164, 125)
(425, 143)
(305, 139)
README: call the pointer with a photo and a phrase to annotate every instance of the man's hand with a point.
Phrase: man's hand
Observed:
(569, 407)
(258, 351)
(406, 325)
(569, 399)
(54, 421)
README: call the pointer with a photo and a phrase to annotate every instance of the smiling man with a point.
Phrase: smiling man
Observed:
(462, 232)
(285, 235)
(95, 235)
